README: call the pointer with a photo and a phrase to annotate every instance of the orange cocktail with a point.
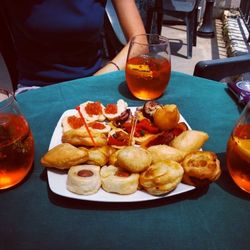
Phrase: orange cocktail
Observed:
(148, 66)
(238, 156)
(16, 142)
(147, 77)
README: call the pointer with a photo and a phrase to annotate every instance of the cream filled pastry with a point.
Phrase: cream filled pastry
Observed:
(84, 179)
(133, 159)
(115, 180)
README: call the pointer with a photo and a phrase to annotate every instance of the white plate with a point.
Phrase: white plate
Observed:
(57, 179)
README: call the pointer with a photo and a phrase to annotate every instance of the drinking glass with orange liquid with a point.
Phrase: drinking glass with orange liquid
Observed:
(238, 151)
(148, 66)
(16, 142)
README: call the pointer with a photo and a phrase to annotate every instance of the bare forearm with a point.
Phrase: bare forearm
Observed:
(131, 25)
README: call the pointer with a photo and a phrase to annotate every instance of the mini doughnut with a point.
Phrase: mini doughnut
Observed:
(115, 180)
(84, 179)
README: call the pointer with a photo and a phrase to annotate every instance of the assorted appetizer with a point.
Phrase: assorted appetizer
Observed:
(121, 151)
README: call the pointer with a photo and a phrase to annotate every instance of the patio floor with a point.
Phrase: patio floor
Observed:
(206, 48)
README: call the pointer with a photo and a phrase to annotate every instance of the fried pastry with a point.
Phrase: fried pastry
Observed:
(161, 177)
(201, 168)
(142, 140)
(99, 155)
(113, 157)
(84, 179)
(115, 180)
(167, 116)
(78, 137)
(164, 152)
(63, 156)
(134, 159)
(189, 140)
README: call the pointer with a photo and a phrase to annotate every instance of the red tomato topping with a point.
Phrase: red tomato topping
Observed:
(118, 139)
(75, 122)
(142, 127)
(145, 124)
(181, 126)
(97, 125)
(111, 109)
(93, 108)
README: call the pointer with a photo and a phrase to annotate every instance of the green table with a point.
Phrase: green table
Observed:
(215, 217)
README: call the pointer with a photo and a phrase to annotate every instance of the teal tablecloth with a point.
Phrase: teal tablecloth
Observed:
(216, 217)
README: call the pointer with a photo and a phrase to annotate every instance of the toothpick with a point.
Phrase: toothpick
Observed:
(86, 125)
(132, 132)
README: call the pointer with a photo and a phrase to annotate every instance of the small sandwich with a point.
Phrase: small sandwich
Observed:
(114, 110)
(92, 111)
(144, 130)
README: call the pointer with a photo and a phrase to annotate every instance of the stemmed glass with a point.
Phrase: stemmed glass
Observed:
(16, 142)
(148, 66)
(238, 151)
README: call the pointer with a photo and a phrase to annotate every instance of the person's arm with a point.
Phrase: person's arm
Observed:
(131, 24)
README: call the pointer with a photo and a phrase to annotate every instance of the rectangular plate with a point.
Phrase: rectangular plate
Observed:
(57, 179)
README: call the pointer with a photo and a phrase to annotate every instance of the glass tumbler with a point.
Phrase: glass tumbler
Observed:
(238, 151)
(148, 66)
(16, 142)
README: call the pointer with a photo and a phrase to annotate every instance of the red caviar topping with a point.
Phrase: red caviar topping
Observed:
(93, 108)
(97, 125)
(111, 109)
(75, 122)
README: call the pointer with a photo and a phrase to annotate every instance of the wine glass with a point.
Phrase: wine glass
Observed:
(148, 66)
(16, 142)
(238, 151)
